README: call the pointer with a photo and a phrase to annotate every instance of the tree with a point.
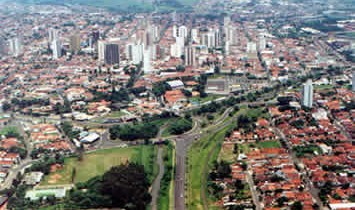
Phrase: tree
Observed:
(132, 132)
(127, 185)
(235, 149)
(160, 88)
(6, 106)
(181, 126)
(297, 206)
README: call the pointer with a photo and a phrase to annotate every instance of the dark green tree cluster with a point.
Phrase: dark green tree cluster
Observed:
(246, 122)
(67, 128)
(181, 126)
(201, 86)
(29, 102)
(125, 186)
(45, 164)
(145, 130)
(160, 88)
(60, 109)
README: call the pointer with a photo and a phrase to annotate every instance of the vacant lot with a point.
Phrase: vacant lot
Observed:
(96, 163)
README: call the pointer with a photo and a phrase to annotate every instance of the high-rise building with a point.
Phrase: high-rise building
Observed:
(135, 53)
(147, 68)
(2, 47)
(177, 49)
(112, 54)
(156, 32)
(75, 43)
(190, 56)
(251, 47)
(53, 34)
(101, 50)
(175, 31)
(194, 35)
(182, 32)
(353, 81)
(307, 94)
(56, 49)
(15, 46)
(211, 38)
(95, 36)
(262, 42)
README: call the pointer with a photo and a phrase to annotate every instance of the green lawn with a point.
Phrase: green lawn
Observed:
(323, 87)
(200, 157)
(55, 207)
(96, 163)
(166, 194)
(205, 99)
(269, 144)
(116, 114)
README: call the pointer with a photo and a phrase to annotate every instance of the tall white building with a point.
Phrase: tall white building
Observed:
(307, 94)
(194, 35)
(52, 35)
(251, 47)
(147, 68)
(183, 31)
(156, 32)
(230, 34)
(175, 31)
(56, 49)
(211, 38)
(15, 46)
(177, 49)
(135, 53)
(101, 50)
(262, 42)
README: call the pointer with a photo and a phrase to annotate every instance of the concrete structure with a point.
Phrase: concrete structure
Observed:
(101, 50)
(15, 46)
(56, 49)
(90, 138)
(147, 68)
(211, 38)
(307, 94)
(190, 56)
(33, 178)
(75, 42)
(353, 81)
(176, 84)
(53, 34)
(112, 54)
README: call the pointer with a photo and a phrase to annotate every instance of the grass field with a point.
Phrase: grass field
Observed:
(166, 194)
(323, 87)
(55, 207)
(269, 144)
(205, 99)
(226, 153)
(96, 163)
(200, 157)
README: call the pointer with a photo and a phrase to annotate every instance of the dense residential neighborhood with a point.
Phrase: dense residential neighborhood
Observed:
(174, 104)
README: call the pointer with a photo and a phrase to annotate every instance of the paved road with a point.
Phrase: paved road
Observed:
(13, 173)
(183, 143)
(253, 191)
(156, 183)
